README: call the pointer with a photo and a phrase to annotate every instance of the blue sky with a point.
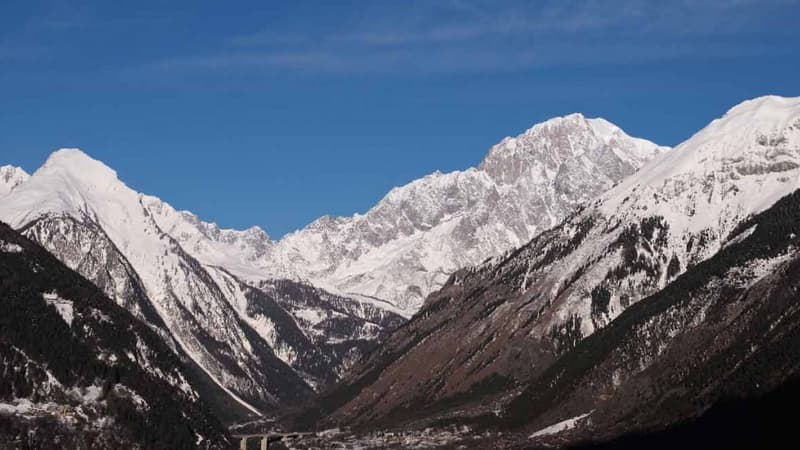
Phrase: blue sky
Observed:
(274, 113)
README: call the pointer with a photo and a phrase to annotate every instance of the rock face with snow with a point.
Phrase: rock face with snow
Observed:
(727, 328)
(507, 326)
(237, 337)
(78, 371)
(11, 177)
(408, 244)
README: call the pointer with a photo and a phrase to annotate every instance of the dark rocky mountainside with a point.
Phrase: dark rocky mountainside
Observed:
(757, 422)
(728, 328)
(725, 332)
(672, 291)
(83, 372)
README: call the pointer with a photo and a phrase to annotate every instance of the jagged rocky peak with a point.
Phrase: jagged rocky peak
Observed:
(423, 203)
(210, 230)
(10, 178)
(546, 146)
(256, 232)
(408, 244)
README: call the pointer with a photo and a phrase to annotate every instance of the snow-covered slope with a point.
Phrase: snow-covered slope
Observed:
(676, 211)
(734, 160)
(409, 243)
(253, 348)
(524, 309)
(10, 178)
(236, 251)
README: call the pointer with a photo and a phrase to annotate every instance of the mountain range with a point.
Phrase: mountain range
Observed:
(408, 244)
(578, 284)
(261, 321)
(672, 290)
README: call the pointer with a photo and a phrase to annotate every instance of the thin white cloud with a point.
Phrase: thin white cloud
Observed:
(463, 35)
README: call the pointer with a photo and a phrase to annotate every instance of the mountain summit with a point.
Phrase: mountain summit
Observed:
(78, 182)
(552, 142)
(409, 243)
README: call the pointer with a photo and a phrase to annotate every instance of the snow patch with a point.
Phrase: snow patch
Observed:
(740, 237)
(64, 307)
(87, 395)
(7, 247)
(561, 426)
(21, 406)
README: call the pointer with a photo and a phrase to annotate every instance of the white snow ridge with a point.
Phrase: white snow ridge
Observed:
(561, 426)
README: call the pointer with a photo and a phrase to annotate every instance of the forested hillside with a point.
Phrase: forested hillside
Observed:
(83, 372)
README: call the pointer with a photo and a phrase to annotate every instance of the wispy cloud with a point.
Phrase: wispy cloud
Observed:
(459, 35)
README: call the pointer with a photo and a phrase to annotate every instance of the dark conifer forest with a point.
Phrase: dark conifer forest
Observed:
(138, 386)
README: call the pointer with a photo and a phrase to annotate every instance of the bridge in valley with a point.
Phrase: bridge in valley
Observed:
(264, 439)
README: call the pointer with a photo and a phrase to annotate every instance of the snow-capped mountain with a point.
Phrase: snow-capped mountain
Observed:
(409, 243)
(237, 336)
(526, 309)
(11, 177)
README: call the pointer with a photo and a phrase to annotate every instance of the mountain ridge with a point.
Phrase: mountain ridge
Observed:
(495, 325)
(240, 338)
(532, 177)
(502, 342)
(394, 263)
